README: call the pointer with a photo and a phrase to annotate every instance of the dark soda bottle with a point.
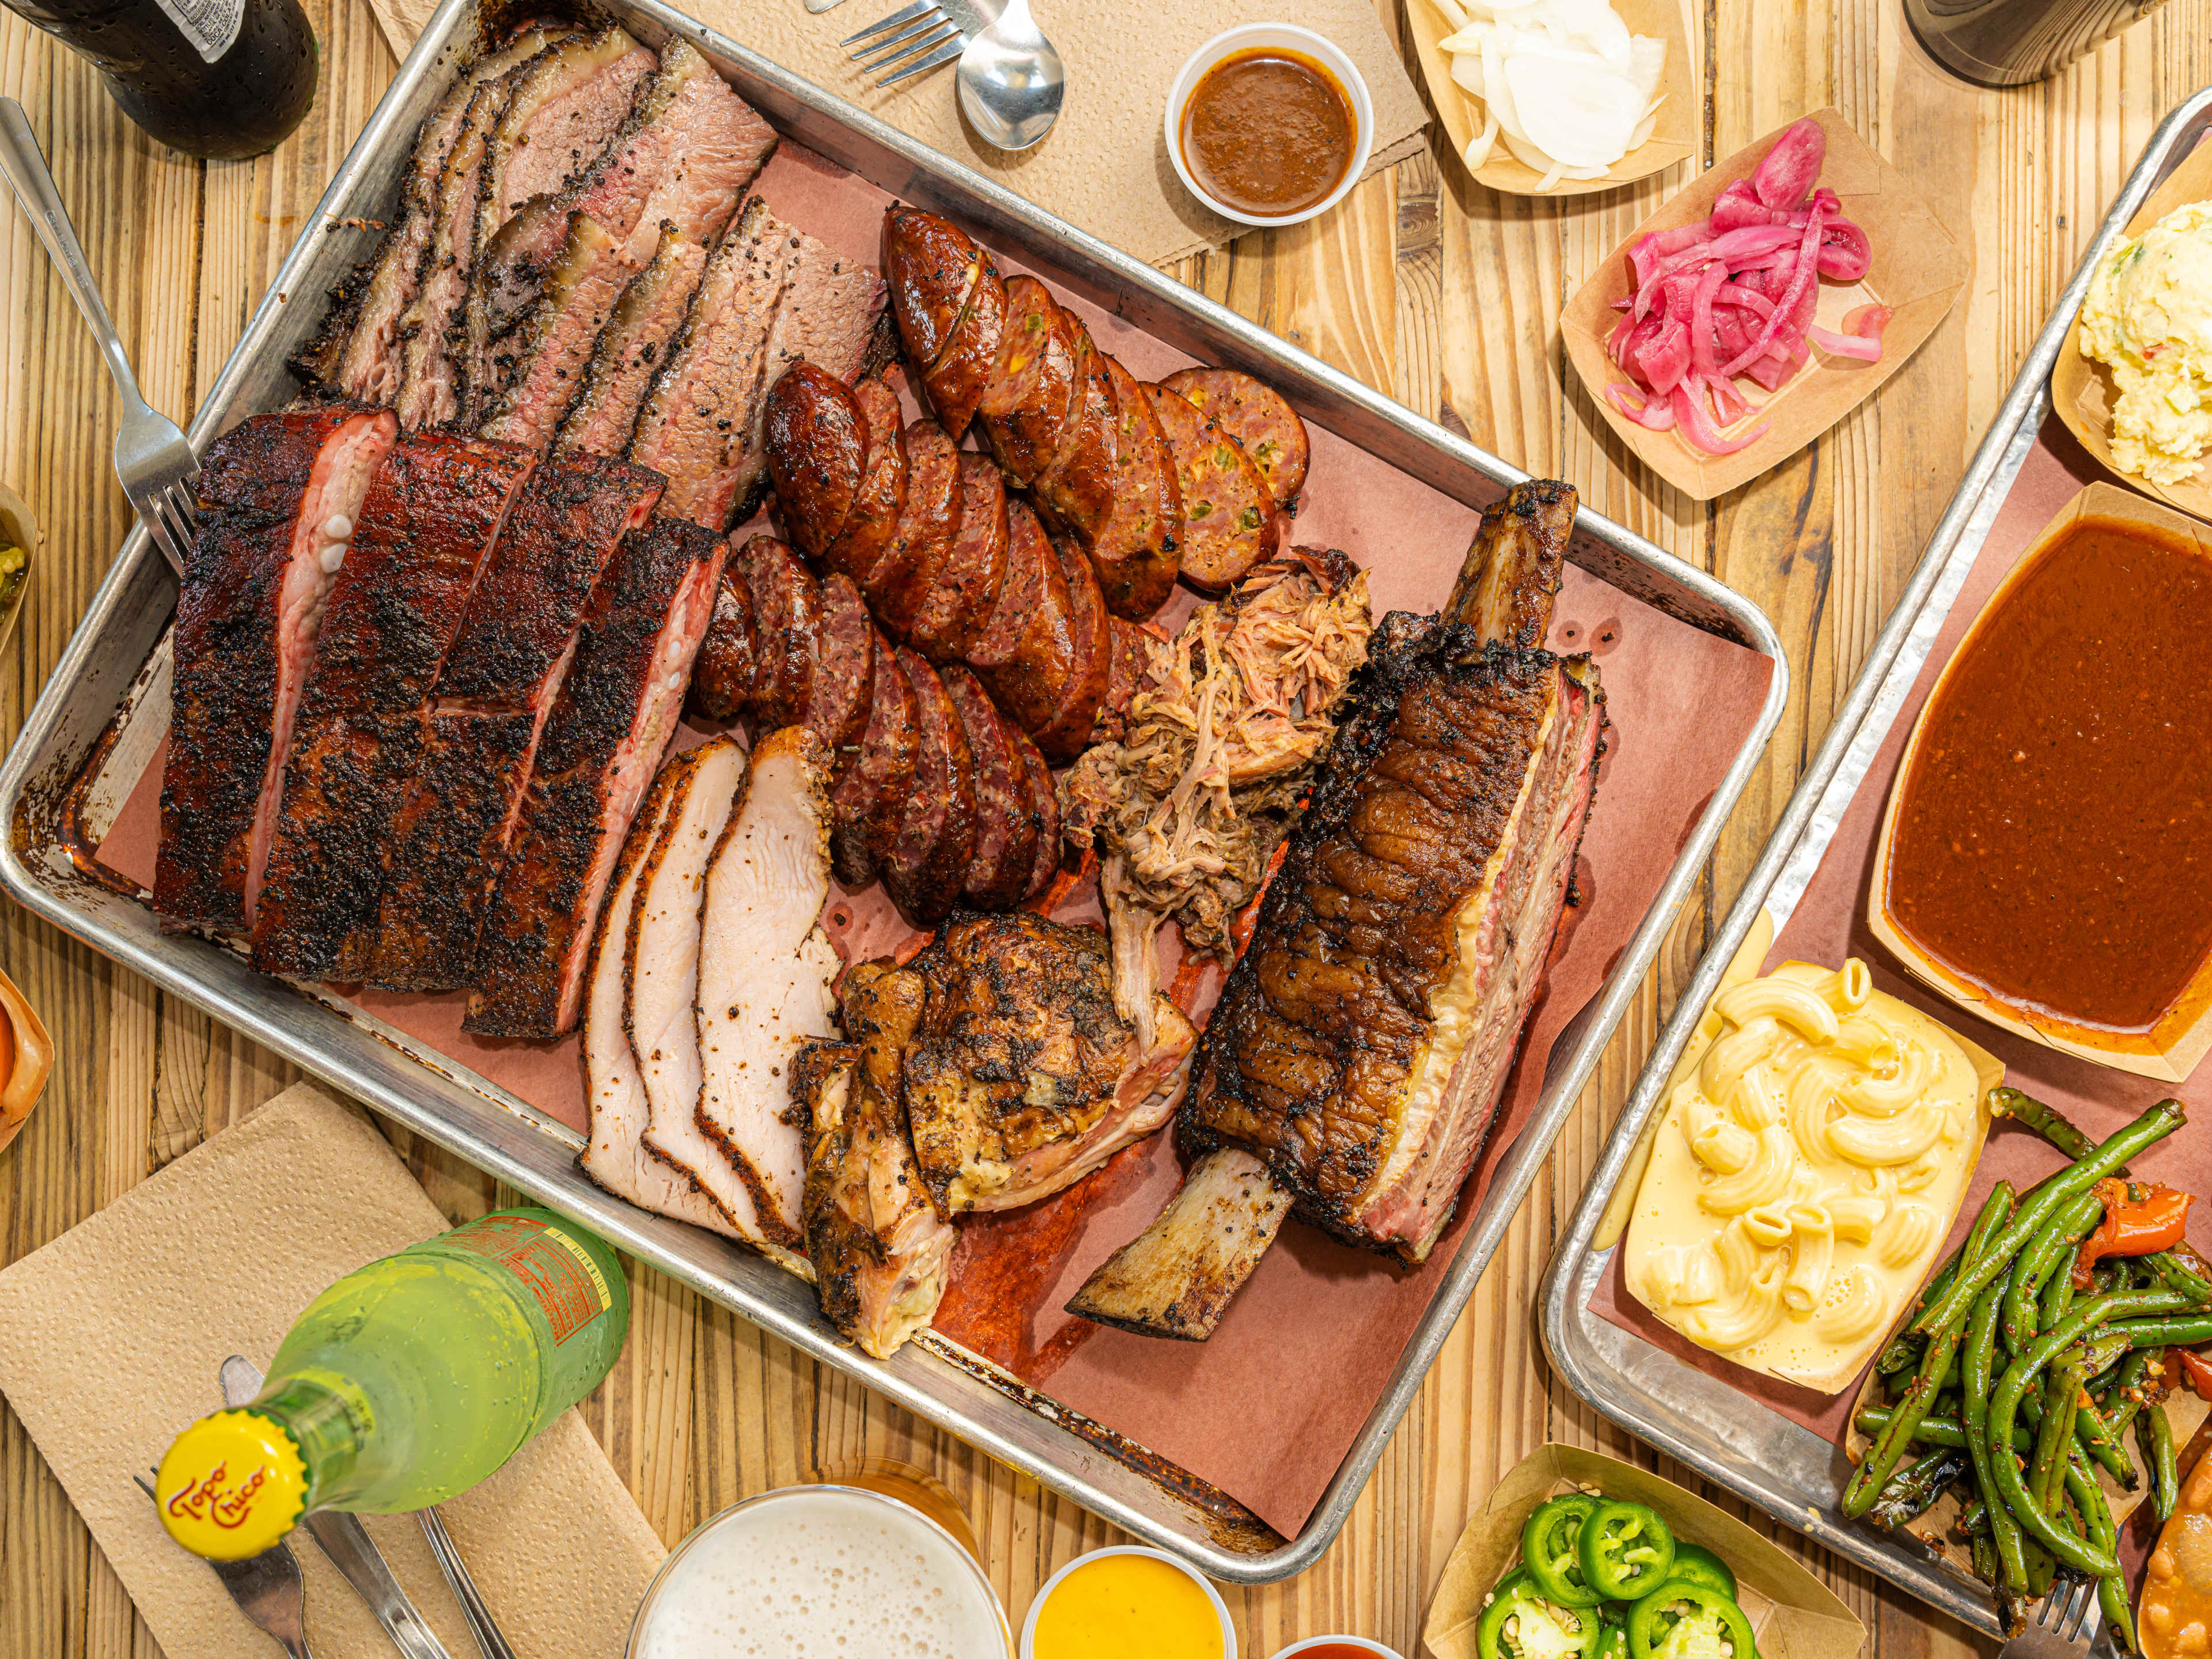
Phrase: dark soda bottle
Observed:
(219, 79)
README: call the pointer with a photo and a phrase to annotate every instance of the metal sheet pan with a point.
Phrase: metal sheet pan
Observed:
(1792, 1475)
(118, 662)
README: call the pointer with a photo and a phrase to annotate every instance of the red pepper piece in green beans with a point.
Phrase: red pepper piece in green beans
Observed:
(1625, 1550)
(1686, 1619)
(1548, 1538)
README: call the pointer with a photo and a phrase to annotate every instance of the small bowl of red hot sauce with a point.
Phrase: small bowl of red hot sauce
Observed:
(1269, 124)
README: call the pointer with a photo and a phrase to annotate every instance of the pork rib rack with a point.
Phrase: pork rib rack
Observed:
(1354, 1069)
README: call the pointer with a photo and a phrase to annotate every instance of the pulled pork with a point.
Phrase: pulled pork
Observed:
(1221, 738)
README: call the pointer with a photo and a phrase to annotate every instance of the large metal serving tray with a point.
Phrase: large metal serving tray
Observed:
(1795, 1475)
(118, 657)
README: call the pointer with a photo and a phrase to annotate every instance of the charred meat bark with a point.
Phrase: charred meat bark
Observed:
(1363, 1042)
(880, 1246)
(278, 495)
(631, 346)
(428, 522)
(547, 284)
(617, 708)
(450, 832)
(362, 349)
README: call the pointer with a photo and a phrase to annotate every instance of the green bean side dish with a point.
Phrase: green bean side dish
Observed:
(2016, 1379)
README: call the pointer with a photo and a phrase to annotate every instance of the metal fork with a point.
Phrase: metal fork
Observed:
(267, 1587)
(2065, 1625)
(915, 37)
(153, 458)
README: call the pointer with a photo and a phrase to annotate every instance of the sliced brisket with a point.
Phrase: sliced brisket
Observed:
(615, 713)
(772, 296)
(430, 518)
(685, 154)
(359, 351)
(547, 282)
(450, 832)
(631, 347)
(271, 490)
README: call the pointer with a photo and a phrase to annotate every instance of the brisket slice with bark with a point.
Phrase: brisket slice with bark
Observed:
(430, 379)
(1361, 1048)
(772, 296)
(430, 519)
(683, 156)
(556, 131)
(360, 349)
(631, 347)
(449, 831)
(545, 100)
(617, 709)
(270, 492)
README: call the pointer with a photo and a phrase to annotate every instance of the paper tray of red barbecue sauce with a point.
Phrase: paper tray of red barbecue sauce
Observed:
(1247, 1435)
(1786, 1452)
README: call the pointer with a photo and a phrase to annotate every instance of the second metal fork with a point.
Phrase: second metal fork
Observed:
(914, 39)
(153, 459)
(2065, 1625)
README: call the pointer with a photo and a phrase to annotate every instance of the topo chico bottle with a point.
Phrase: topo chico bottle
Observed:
(219, 79)
(406, 1383)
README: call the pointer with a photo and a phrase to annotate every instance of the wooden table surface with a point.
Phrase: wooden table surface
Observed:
(1422, 284)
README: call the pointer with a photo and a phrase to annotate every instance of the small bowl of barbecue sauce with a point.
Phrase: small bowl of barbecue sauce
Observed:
(1268, 124)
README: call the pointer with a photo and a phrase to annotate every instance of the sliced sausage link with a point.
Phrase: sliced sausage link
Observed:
(844, 675)
(874, 519)
(1026, 655)
(1044, 800)
(817, 454)
(1075, 490)
(1230, 521)
(722, 679)
(787, 631)
(1091, 662)
(954, 386)
(1258, 417)
(1030, 400)
(929, 859)
(930, 267)
(866, 809)
(961, 593)
(1006, 836)
(929, 523)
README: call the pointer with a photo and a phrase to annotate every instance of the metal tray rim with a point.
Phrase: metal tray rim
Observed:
(1572, 1333)
(504, 1136)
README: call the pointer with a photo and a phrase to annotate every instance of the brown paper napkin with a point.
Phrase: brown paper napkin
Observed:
(109, 1340)
(1104, 166)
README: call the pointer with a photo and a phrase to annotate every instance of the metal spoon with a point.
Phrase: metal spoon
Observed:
(1012, 81)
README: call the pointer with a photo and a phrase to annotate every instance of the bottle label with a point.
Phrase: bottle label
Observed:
(211, 26)
(552, 1267)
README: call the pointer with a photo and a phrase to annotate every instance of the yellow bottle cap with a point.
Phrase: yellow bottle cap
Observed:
(231, 1486)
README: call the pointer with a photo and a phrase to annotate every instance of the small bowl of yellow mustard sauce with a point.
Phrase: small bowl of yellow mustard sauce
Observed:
(1269, 124)
(1116, 1603)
